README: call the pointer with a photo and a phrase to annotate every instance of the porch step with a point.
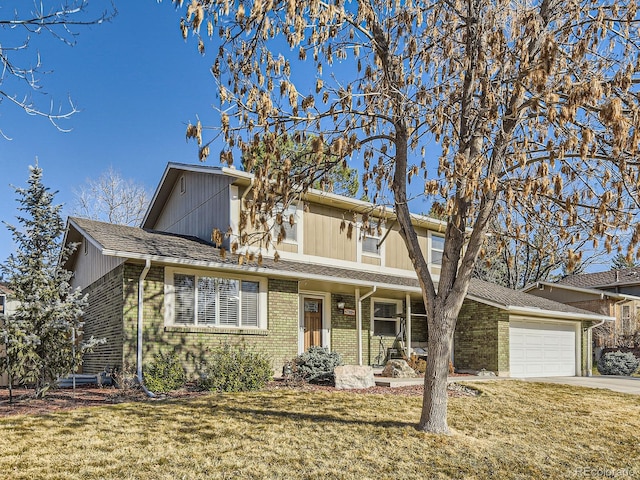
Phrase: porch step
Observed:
(398, 382)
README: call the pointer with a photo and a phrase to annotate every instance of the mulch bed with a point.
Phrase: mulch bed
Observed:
(24, 402)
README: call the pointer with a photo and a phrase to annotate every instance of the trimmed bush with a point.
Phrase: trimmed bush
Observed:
(618, 363)
(234, 369)
(316, 365)
(165, 373)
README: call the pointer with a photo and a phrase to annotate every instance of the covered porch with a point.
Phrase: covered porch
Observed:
(364, 323)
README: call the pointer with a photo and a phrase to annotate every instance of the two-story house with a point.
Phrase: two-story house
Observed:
(166, 287)
(615, 293)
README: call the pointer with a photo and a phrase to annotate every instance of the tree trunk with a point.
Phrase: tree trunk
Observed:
(434, 401)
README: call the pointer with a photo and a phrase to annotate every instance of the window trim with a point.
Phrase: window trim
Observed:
(398, 304)
(170, 298)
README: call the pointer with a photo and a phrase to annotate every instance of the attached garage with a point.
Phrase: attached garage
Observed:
(512, 333)
(543, 349)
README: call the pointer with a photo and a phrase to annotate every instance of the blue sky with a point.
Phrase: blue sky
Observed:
(137, 84)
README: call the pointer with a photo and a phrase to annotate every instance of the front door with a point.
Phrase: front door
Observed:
(312, 322)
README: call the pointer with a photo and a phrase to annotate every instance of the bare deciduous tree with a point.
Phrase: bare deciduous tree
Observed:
(521, 261)
(532, 107)
(22, 68)
(112, 199)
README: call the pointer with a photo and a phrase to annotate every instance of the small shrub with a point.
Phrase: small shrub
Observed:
(125, 379)
(316, 365)
(418, 364)
(618, 363)
(234, 369)
(165, 373)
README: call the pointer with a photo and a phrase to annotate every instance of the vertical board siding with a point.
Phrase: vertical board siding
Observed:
(396, 255)
(322, 235)
(92, 266)
(203, 206)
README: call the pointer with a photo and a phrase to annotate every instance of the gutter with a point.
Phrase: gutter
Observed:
(359, 319)
(143, 275)
(252, 269)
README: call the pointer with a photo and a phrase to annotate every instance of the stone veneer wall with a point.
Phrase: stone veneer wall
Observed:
(279, 341)
(103, 319)
(481, 338)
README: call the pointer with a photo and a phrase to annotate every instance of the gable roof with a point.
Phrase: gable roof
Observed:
(171, 249)
(610, 278)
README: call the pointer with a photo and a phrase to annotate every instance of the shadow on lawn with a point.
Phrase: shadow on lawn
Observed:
(268, 410)
(203, 416)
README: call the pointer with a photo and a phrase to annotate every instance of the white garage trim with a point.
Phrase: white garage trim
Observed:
(561, 333)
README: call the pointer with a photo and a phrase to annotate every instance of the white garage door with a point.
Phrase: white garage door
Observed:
(539, 349)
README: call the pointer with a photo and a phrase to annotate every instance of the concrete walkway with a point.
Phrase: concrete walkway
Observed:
(617, 384)
(610, 382)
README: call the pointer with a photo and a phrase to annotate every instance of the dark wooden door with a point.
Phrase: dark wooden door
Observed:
(312, 322)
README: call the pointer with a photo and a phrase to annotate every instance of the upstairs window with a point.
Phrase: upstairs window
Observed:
(437, 249)
(370, 244)
(215, 302)
(372, 234)
(290, 231)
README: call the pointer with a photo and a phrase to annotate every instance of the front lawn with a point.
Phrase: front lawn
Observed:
(513, 430)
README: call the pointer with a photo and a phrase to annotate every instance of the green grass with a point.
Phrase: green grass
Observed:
(514, 430)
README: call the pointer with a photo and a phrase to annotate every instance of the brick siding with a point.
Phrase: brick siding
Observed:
(481, 338)
(279, 341)
(103, 319)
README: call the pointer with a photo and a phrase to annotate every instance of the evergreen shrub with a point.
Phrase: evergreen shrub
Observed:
(618, 363)
(316, 365)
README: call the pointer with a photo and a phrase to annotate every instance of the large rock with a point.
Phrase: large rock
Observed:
(354, 376)
(398, 368)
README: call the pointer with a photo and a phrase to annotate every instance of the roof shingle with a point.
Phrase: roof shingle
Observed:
(137, 242)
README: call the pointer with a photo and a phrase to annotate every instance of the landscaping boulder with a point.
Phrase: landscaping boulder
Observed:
(398, 368)
(353, 376)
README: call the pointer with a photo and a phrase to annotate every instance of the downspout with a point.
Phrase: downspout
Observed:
(359, 319)
(590, 346)
(143, 275)
(246, 192)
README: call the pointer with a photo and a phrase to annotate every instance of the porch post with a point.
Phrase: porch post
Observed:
(407, 324)
(359, 326)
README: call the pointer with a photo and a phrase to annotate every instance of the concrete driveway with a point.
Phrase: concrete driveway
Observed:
(617, 384)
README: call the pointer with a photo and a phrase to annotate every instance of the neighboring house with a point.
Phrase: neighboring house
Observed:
(326, 290)
(615, 293)
(8, 305)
